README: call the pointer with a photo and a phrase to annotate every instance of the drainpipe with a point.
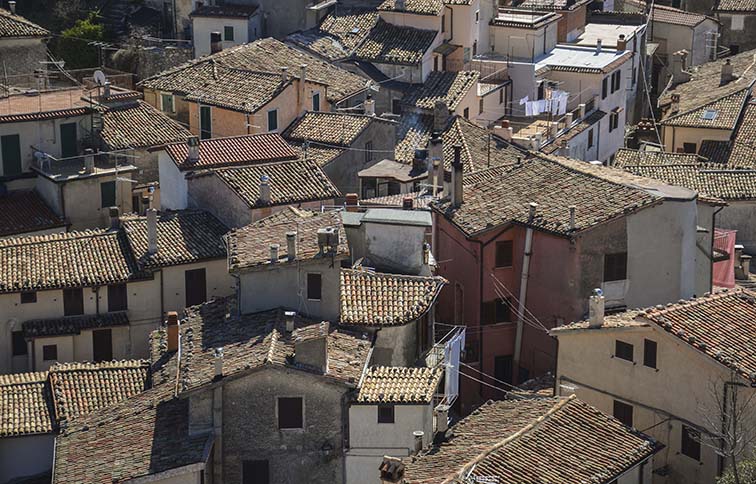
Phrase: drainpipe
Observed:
(524, 288)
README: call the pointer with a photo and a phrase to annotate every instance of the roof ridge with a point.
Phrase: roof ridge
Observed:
(653, 311)
(56, 237)
(390, 274)
(470, 466)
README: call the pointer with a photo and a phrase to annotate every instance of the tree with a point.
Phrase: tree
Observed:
(746, 474)
(74, 45)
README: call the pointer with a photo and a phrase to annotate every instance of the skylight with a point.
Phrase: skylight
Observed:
(709, 114)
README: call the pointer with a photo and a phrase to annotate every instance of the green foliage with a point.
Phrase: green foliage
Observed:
(73, 45)
(746, 473)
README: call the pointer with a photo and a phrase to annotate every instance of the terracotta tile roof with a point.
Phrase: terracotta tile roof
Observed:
(227, 11)
(24, 404)
(35, 328)
(450, 87)
(73, 259)
(290, 182)
(376, 299)
(627, 319)
(676, 16)
(386, 384)
(183, 237)
(555, 186)
(287, 214)
(319, 154)
(413, 132)
(234, 150)
(581, 126)
(555, 440)
(420, 200)
(250, 246)
(251, 341)
(392, 44)
(239, 89)
(720, 183)
(425, 7)
(264, 55)
(24, 211)
(12, 25)
(715, 151)
(339, 33)
(722, 113)
(139, 125)
(328, 128)
(741, 6)
(628, 157)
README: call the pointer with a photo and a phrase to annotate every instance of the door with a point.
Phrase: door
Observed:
(206, 122)
(11, 151)
(102, 345)
(196, 287)
(503, 368)
(68, 146)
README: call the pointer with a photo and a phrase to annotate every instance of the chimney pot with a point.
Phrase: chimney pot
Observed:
(418, 439)
(289, 316)
(369, 105)
(172, 331)
(352, 202)
(274, 253)
(291, 245)
(596, 309)
(426, 253)
(265, 189)
(726, 72)
(218, 359)
(581, 110)
(533, 207)
(12, 7)
(152, 243)
(621, 43)
(598, 46)
(106, 90)
(457, 181)
(115, 221)
(442, 418)
(284, 74)
(89, 160)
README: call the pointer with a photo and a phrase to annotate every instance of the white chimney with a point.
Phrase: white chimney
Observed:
(369, 105)
(152, 244)
(218, 360)
(265, 189)
(726, 73)
(568, 118)
(442, 418)
(291, 245)
(106, 90)
(418, 439)
(554, 129)
(273, 253)
(193, 144)
(12, 7)
(89, 161)
(284, 74)
(289, 318)
(596, 309)
(532, 208)
(581, 110)
(598, 46)
(457, 178)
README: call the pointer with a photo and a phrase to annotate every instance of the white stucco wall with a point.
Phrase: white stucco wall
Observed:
(173, 185)
(245, 30)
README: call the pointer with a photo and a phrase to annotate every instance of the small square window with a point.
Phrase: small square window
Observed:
(623, 412)
(28, 297)
(314, 286)
(50, 352)
(504, 250)
(228, 33)
(623, 350)
(290, 415)
(649, 353)
(691, 443)
(19, 343)
(385, 414)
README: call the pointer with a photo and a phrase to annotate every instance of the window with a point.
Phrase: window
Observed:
(613, 120)
(443, 23)
(616, 81)
(496, 311)
(368, 152)
(689, 148)
(635, 72)
(255, 472)
(504, 253)
(11, 152)
(691, 443)
(28, 297)
(206, 122)
(117, 297)
(623, 350)
(466, 113)
(166, 103)
(73, 302)
(590, 138)
(102, 345)
(108, 194)
(503, 366)
(615, 267)
(477, 16)
(501, 96)
(435, 63)
(649, 353)
(314, 286)
(50, 352)
(316, 101)
(623, 412)
(290, 413)
(396, 106)
(228, 33)
(195, 284)
(18, 343)
(604, 87)
(480, 106)
(273, 120)
(385, 414)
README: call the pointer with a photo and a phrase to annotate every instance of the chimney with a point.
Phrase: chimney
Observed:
(678, 67)
(369, 105)
(147, 202)
(596, 309)
(106, 90)
(568, 119)
(352, 202)
(193, 144)
(392, 470)
(273, 253)
(726, 73)
(12, 7)
(218, 360)
(399, 5)
(426, 253)
(436, 148)
(291, 246)
(312, 351)
(264, 189)
(89, 161)
(532, 209)
(152, 244)
(581, 110)
(302, 85)
(442, 418)
(440, 116)
(115, 221)
(572, 217)
(407, 203)
(420, 161)
(598, 46)
(621, 43)
(438, 174)
(284, 75)
(554, 129)
(418, 440)
(675, 104)
(457, 190)
(289, 317)
(172, 331)
(216, 44)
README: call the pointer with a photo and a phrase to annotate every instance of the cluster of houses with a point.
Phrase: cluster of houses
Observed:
(398, 242)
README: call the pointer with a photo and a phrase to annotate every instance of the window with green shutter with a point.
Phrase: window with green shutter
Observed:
(228, 33)
(206, 123)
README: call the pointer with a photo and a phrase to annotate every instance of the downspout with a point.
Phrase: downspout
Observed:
(711, 252)
(524, 288)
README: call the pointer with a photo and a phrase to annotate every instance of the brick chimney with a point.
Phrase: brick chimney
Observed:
(172, 327)
(392, 470)
(352, 202)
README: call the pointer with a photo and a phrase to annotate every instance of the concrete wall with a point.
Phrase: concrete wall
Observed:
(245, 30)
(369, 440)
(417, 21)
(260, 290)
(397, 345)
(21, 57)
(209, 192)
(81, 200)
(462, 28)
(744, 38)
(524, 44)
(387, 247)
(739, 215)
(219, 282)
(674, 137)
(78, 347)
(173, 184)
(25, 456)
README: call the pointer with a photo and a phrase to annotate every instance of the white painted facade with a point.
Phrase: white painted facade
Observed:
(245, 30)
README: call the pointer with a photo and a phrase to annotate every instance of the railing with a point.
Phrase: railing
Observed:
(722, 242)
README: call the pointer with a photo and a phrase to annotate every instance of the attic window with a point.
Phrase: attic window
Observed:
(356, 30)
(709, 114)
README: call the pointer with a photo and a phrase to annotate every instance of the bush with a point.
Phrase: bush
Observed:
(746, 473)
(74, 45)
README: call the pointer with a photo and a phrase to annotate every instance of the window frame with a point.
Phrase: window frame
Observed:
(648, 343)
(67, 311)
(279, 415)
(316, 101)
(386, 418)
(320, 284)
(206, 133)
(620, 348)
(28, 297)
(590, 138)
(501, 264)
(225, 33)
(481, 105)
(112, 297)
(273, 112)
(163, 96)
(103, 193)
(687, 440)
(604, 87)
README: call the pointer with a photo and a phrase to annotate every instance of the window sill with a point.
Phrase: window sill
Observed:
(629, 362)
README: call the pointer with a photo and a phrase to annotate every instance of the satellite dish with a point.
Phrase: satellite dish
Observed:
(100, 78)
